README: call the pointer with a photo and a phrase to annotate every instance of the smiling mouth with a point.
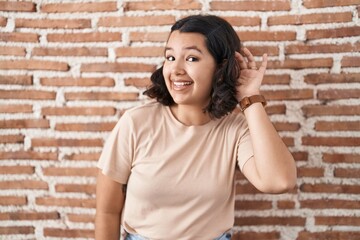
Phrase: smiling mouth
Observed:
(179, 84)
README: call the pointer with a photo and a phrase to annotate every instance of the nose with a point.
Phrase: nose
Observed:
(177, 68)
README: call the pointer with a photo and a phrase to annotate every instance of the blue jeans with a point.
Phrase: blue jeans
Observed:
(225, 236)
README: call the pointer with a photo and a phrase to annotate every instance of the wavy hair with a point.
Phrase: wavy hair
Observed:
(222, 42)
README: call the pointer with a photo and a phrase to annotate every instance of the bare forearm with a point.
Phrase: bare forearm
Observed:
(274, 163)
(107, 226)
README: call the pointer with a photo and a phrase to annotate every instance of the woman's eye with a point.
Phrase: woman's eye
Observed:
(170, 58)
(192, 59)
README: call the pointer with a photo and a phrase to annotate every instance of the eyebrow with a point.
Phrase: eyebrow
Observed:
(186, 48)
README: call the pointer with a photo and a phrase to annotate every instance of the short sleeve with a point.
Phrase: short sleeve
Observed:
(244, 147)
(116, 157)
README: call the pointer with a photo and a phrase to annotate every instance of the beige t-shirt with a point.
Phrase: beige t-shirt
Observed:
(180, 179)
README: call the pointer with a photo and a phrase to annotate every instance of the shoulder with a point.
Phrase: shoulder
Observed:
(144, 113)
(144, 109)
(236, 117)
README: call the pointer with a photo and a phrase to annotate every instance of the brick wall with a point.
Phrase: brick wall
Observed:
(68, 69)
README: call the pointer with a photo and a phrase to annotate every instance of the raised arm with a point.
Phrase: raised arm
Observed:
(272, 169)
(109, 203)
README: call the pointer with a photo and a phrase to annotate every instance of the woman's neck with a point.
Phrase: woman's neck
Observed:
(190, 115)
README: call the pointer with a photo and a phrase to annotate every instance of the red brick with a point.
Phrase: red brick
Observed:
(331, 141)
(333, 94)
(112, 96)
(301, 63)
(347, 173)
(329, 204)
(337, 126)
(129, 21)
(53, 23)
(252, 205)
(275, 109)
(34, 65)
(25, 123)
(291, 94)
(79, 7)
(69, 111)
(84, 37)
(70, 171)
(137, 82)
(3, 22)
(330, 188)
(310, 172)
(148, 36)
(328, 235)
(260, 50)
(286, 126)
(244, 21)
(16, 108)
(68, 81)
(258, 221)
(300, 156)
(33, 216)
(77, 188)
(83, 157)
(17, 170)
(333, 33)
(19, 37)
(350, 61)
(332, 78)
(87, 127)
(12, 230)
(266, 36)
(250, 5)
(336, 221)
(51, 142)
(23, 184)
(68, 233)
(329, 3)
(284, 204)
(310, 18)
(12, 6)
(341, 158)
(12, 139)
(66, 202)
(71, 51)
(246, 189)
(245, 235)
(27, 94)
(162, 5)
(13, 51)
(321, 48)
(82, 218)
(336, 110)
(140, 52)
(289, 141)
(29, 155)
(16, 80)
(276, 79)
(13, 200)
(117, 67)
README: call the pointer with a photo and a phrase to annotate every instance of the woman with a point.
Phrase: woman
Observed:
(177, 155)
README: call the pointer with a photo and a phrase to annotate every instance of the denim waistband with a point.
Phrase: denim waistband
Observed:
(225, 236)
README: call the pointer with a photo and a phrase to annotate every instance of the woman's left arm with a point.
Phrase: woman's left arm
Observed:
(272, 169)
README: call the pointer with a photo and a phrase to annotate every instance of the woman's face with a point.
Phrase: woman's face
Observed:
(188, 69)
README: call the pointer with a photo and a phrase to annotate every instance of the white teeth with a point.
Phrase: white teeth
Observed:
(182, 83)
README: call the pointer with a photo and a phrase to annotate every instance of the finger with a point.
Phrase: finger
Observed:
(241, 60)
(263, 65)
(251, 61)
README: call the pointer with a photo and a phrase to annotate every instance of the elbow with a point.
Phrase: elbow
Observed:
(280, 185)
